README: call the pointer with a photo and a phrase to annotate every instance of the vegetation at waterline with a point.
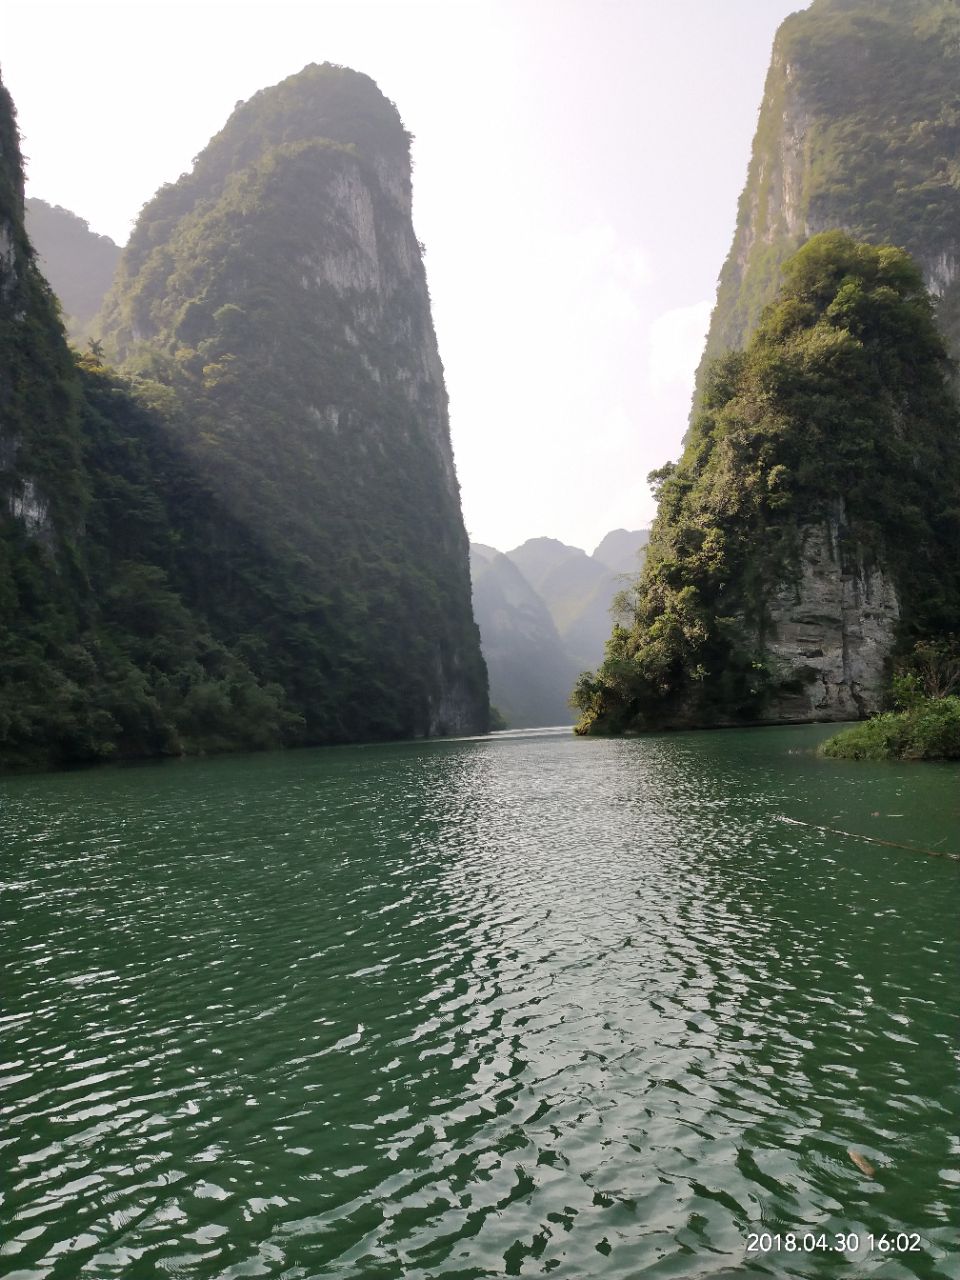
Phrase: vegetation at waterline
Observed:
(840, 404)
(925, 721)
(929, 730)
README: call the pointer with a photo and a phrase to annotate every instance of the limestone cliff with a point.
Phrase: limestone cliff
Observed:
(252, 538)
(810, 531)
(279, 289)
(830, 629)
(859, 130)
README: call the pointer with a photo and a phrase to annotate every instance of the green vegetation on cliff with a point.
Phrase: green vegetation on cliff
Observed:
(260, 542)
(101, 654)
(859, 130)
(839, 406)
(279, 290)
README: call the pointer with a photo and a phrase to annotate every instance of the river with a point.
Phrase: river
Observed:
(527, 1005)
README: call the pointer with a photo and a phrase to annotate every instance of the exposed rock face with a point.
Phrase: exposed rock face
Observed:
(8, 270)
(280, 288)
(859, 130)
(832, 628)
(29, 507)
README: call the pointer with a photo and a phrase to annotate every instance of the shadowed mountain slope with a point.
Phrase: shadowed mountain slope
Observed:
(279, 290)
(251, 537)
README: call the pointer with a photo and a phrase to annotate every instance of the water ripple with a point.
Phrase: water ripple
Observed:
(528, 1006)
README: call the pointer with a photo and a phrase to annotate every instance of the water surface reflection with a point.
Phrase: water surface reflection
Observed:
(527, 1006)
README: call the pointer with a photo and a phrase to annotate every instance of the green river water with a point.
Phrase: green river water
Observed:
(526, 1005)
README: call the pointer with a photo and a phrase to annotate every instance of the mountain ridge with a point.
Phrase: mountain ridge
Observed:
(544, 613)
(78, 263)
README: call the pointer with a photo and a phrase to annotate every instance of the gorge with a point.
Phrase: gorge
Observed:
(544, 612)
(672, 997)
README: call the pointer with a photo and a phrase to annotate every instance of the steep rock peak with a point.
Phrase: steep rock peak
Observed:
(859, 130)
(280, 289)
(322, 103)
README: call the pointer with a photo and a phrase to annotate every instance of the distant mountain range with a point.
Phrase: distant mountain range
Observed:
(544, 615)
(79, 264)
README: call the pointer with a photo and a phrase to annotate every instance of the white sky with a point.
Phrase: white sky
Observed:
(577, 170)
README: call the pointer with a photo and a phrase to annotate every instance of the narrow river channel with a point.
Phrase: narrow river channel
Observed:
(526, 1005)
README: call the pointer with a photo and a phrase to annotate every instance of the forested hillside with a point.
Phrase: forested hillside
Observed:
(279, 290)
(809, 533)
(260, 543)
(102, 651)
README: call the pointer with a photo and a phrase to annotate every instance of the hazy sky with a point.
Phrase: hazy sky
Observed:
(577, 169)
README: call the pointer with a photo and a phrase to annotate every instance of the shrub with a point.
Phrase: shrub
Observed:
(928, 730)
